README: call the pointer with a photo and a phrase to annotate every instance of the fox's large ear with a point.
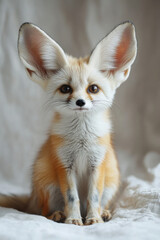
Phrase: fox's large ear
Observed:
(116, 53)
(40, 55)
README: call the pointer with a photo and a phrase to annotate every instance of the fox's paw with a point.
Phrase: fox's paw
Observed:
(58, 216)
(74, 221)
(90, 221)
(106, 215)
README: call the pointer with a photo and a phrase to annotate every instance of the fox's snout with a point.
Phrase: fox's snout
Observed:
(80, 102)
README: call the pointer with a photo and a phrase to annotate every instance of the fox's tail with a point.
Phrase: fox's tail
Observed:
(17, 202)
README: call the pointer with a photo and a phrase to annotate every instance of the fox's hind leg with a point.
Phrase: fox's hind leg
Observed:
(107, 197)
(48, 202)
(58, 216)
(111, 184)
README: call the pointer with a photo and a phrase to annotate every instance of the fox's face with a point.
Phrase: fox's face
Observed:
(79, 88)
(78, 85)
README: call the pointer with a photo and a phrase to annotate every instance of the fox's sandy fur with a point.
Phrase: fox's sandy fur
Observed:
(76, 171)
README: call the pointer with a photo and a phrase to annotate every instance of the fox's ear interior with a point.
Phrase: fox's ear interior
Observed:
(40, 55)
(116, 53)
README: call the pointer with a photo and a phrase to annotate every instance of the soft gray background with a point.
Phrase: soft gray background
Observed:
(77, 25)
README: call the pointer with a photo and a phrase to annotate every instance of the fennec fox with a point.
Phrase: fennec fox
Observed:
(76, 172)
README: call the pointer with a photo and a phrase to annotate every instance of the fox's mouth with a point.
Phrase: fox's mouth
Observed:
(81, 109)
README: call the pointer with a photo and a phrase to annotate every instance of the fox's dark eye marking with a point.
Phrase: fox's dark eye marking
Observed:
(93, 89)
(65, 89)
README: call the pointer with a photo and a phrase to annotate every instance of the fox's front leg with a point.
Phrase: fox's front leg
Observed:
(103, 185)
(96, 184)
(72, 205)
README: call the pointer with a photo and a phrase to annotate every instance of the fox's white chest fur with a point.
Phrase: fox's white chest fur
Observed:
(81, 148)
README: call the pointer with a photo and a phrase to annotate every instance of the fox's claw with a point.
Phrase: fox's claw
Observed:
(91, 221)
(74, 221)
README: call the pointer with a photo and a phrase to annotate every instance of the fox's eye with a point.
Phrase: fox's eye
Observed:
(93, 89)
(65, 89)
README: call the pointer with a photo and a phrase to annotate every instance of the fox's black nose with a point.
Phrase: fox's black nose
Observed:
(80, 102)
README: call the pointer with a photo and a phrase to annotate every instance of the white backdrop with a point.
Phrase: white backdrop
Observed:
(77, 25)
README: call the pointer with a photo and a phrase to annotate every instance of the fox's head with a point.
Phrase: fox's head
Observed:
(78, 85)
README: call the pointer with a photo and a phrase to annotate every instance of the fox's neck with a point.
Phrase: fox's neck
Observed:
(97, 124)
